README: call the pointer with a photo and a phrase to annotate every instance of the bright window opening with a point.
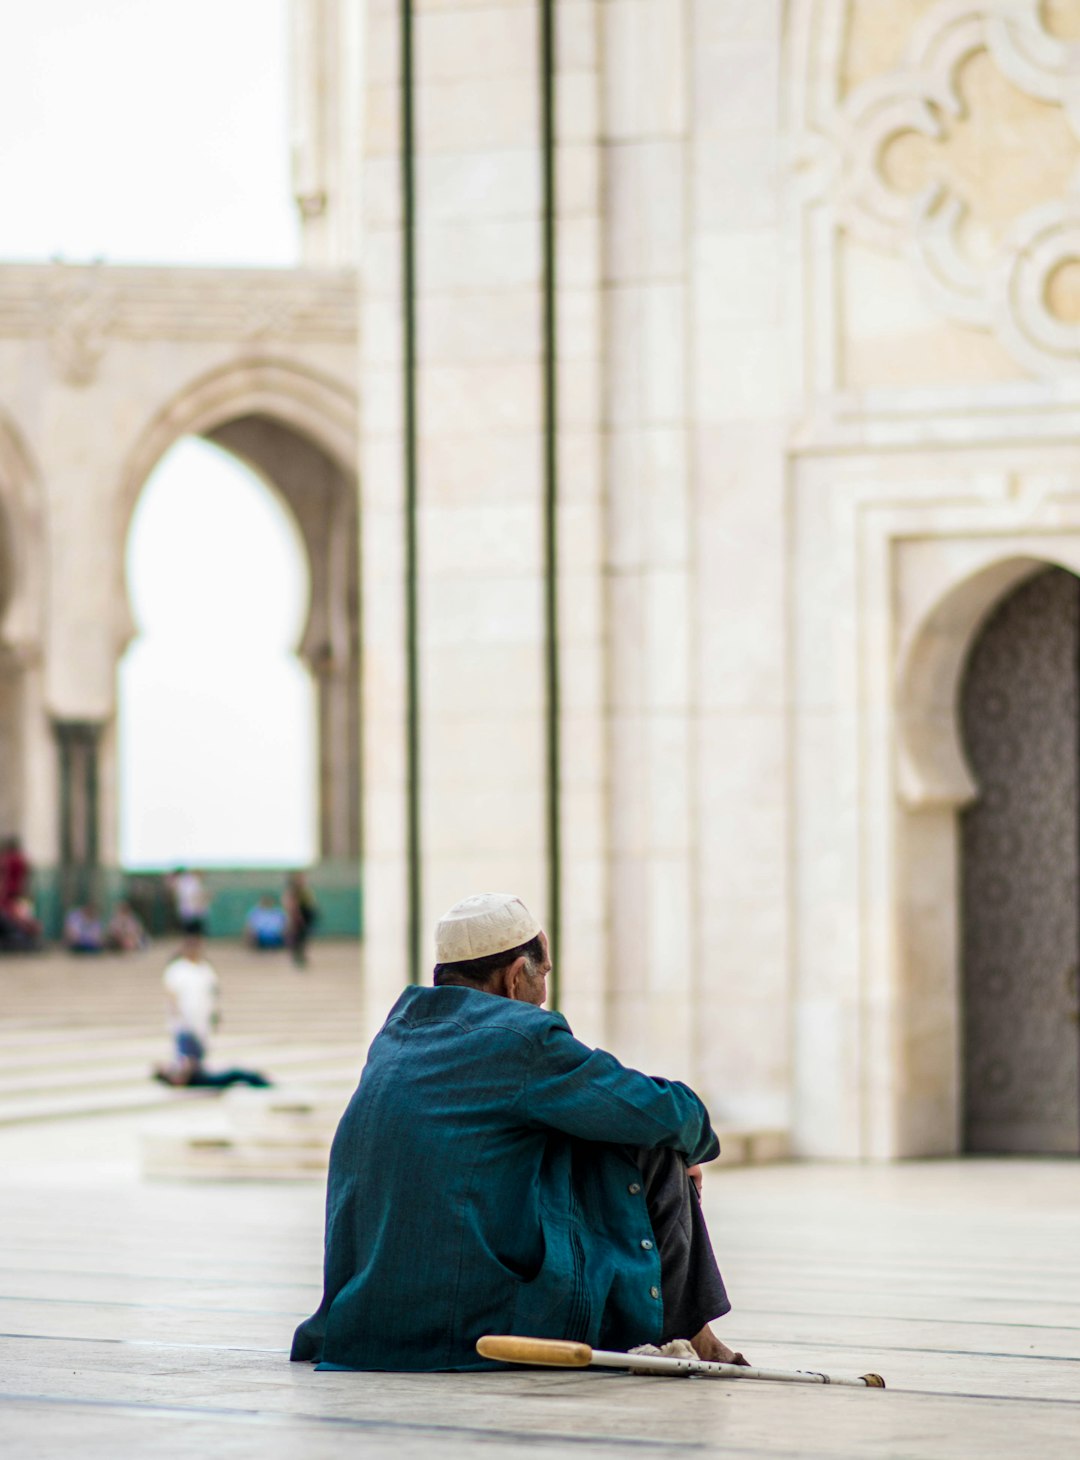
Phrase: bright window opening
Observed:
(217, 717)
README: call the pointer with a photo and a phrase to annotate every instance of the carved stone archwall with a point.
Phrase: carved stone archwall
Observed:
(81, 310)
(102, 369)
(960, 157)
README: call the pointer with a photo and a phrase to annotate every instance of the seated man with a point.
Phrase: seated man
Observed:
(265, 925)
(20, 930)
(493, 1175)
(192, 998)
(83, 932)
(125, 933)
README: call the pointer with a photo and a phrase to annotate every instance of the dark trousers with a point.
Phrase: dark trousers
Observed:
(692, 1289)
(221, 1079)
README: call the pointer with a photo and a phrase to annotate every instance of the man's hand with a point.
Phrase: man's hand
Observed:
(694, 1173)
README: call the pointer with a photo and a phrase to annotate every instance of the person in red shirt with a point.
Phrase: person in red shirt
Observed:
(20, 930)
(14, 873)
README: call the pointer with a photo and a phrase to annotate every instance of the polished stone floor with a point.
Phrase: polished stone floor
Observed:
(143, 1319)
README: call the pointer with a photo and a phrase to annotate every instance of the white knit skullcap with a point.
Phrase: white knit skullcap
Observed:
(488, 922)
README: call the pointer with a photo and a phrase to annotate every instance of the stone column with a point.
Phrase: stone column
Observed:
(326, 110)
(646, 163)
(38, 817)
(738, 360)
(479, 644)
(339, 781)
(78, 744)
(481, 452)
(382, 517)
(583, 793)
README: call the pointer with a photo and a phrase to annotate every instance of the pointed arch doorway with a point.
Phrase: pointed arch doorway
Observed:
(1020, 859)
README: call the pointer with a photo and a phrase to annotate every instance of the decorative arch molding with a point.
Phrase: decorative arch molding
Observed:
(932, 765)
(310, 403)
(962, 585)
(22, 550)
(297, 428)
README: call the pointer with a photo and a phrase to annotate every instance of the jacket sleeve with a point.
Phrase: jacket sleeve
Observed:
(587, 1093)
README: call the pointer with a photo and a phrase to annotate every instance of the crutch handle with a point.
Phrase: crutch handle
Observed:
(556, 1352)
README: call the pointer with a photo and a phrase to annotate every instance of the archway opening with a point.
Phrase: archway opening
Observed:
(1019, 709)
(217, 712)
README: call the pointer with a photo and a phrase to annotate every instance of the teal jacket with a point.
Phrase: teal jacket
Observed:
(477, 1185)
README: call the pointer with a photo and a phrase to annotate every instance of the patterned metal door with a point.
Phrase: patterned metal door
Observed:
(1020, 708)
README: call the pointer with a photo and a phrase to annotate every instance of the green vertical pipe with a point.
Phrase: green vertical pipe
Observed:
(551, 486)
(66, 889)
(412, 674)
(93, 849)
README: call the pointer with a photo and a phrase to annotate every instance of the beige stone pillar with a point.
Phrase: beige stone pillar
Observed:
(327, 61)
(646, 162)
(582, 646)
(88, 620)
(382, 522)
(738, 363)
(481, 641)
(38, 816)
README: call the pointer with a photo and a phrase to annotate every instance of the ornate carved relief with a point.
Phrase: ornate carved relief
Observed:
(78, 310)
(1017, 274)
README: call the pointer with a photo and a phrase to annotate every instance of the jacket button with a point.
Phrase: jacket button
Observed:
(633, 1188)
(646, 1244)
(654, 1292)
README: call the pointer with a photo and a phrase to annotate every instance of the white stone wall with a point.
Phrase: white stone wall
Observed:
(820, 273)
(932, 243)
(741, 405)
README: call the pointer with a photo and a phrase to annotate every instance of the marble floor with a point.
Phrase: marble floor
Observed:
(154, 1319)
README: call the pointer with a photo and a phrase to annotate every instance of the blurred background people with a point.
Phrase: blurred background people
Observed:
(20, 930)
(191, 900)
(265, 925)
(125, 933)
(301, 911)
(14, 872)
(83, 931)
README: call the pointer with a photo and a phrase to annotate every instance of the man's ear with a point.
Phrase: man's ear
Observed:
(515, 975)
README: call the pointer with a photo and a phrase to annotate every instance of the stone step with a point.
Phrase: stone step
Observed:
(264, 1135)
(137, 1069)
(221, 1158)
(101, 1100)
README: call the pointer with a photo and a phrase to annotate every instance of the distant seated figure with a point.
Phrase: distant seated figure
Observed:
(14, 872)
(83, 932)
(192, 995)
(265, 925)
(20, 931)
(125, 933)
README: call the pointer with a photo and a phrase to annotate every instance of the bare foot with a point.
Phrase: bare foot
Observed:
(708, 1346)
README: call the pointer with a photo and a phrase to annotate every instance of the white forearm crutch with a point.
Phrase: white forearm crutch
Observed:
(563, 1354)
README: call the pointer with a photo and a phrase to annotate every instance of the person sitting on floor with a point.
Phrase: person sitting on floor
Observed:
(491, 1174)
(20, 930)
(192, 998)
(125, 933)
(83, 932)
(265, 925)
